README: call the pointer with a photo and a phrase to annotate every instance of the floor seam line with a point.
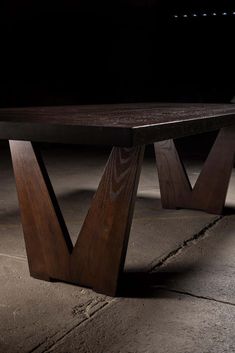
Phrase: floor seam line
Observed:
(21, 258)
(198, 296)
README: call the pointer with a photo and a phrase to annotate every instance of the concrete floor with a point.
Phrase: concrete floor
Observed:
(178, 291)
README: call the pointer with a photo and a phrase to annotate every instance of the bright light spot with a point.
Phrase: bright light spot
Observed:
(214, 14)
(194, 15)
(204, 14)
(176, 16)
(224, 13)
(185, 16)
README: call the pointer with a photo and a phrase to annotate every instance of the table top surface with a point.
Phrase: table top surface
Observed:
(117, 124)
(116, 115)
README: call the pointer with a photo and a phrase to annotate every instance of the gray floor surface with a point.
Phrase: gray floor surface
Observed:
(178, 289)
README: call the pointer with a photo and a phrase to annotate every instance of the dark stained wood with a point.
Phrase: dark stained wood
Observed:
(119, 125)
(100, 250)
(173, 179)
(47, 242)
(99, 254)
(209, 192)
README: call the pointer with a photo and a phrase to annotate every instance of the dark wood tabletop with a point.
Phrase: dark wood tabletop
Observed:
(117, 124)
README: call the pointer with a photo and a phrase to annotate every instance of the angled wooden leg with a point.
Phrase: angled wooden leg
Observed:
(209, 192)
(214, 178)
(99, 253)
(173, 179)
(100, 250)
(47, 242)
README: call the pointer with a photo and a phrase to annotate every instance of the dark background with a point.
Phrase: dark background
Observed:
(75, 52)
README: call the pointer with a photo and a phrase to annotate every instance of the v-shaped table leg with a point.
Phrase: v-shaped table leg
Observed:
(100, 251)
(210, 190)
(48, 244)
(99, 254)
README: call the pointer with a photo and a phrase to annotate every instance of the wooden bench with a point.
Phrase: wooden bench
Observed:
(98, 256)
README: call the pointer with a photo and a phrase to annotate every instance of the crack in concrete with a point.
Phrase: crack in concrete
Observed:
(198, 296)
(64, 334)
(36, 347)
(198, 236)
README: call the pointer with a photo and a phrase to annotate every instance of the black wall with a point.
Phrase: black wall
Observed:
(69, 52)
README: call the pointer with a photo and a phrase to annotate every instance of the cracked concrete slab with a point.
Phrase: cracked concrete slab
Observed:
(73, 303)
(165, 323)
(154, 235)
(205, 269)
(35, 313)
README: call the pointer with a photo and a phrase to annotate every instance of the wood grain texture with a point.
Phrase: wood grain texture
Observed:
(100, 251)
(47, 242)
(209, 192)
(118, 125)
(173, 180)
